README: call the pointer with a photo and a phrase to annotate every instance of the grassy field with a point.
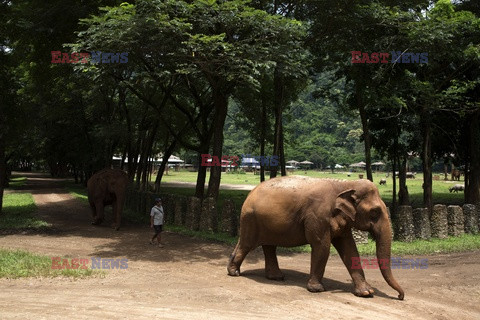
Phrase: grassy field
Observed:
(16, 182)
(18, 212)
(18, 263)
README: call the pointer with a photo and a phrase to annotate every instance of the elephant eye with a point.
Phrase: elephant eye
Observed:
(375, 213)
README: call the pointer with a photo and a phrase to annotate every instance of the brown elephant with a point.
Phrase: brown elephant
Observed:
(107, 187)
(456, 174)
(293, 211)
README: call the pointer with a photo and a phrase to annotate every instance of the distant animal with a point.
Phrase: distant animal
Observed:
(456, 174)
(411, 175)
(456, 188)
(383, 181)
(107, 187)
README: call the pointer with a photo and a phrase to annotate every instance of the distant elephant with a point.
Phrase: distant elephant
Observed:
(293, 211)
(456, 174)
(107, 187)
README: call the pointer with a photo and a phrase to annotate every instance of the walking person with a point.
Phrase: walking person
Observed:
(156, 221)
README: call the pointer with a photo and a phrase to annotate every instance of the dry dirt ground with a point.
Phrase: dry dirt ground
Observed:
(187, 279)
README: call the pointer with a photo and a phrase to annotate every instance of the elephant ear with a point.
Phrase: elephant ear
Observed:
(345, 203)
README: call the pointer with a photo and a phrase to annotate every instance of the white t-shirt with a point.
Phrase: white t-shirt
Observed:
(157, 214)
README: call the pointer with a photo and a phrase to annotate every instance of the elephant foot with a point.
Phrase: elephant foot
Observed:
(363, 290)
(315, 286)
(96, 222)
(233, 271)
(276, 275)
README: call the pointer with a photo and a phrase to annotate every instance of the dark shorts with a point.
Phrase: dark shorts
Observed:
(158, 228)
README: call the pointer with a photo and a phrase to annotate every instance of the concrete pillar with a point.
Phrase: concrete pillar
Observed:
(359, 236)
(421, 224)
(193, 213)
(470, 218)
(404, 229)
(439, 221)
(455, 221)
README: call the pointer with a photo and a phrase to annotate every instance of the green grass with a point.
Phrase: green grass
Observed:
(205, 235)
(18, 264)
(467, 242)
(78, 192)
(462, 243)
(18, 212)
(16, 182)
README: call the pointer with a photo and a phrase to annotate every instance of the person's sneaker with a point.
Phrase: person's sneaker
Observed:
(161, 245)
(151, 242)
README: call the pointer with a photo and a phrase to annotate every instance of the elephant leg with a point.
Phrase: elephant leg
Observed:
(347, 249)
(237, 257)
(247, 241)
(320, 253)
(272, 271)
(99, 213)
(117, 213)
(93, 211)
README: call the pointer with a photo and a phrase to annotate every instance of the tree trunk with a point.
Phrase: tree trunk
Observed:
(139, 162)
(445, 171)
(393, 212)
(201, 177)
(427, 159)
(472, 177)
(164, 163)
(3, 168)
(282, 152)
(221, 108)
(367, 139)
(403, 198)
(278, 87)
(263, 133)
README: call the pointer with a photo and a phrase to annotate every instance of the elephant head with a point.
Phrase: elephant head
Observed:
(363, 207)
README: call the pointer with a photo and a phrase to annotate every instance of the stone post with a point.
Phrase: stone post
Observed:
(193, 213)
(421, 224)
(439, 221)
(207, 215)
(455, 220)
(470, 218)
(180, 203)
(405, 230)
(359, 236)
(228, 218)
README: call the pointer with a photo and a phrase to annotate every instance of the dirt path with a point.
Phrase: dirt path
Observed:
(188, 280)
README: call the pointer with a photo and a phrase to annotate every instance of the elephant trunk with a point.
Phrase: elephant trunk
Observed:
(383, 246)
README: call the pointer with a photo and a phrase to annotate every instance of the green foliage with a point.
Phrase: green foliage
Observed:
(319, 130)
